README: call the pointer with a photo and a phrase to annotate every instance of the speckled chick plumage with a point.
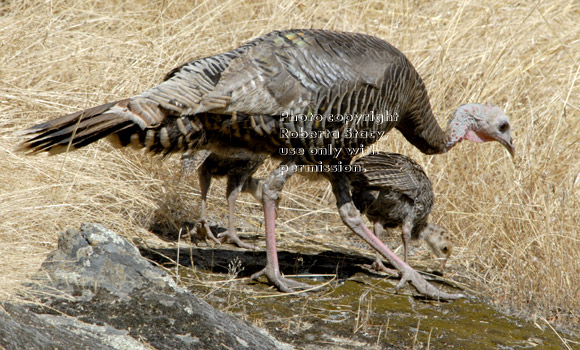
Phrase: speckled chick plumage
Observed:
(393, 190)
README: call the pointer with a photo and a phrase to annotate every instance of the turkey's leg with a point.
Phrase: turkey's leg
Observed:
(351, 217)
(234, 187)
(406, 235)
(270, 192)
(377, 265)
(202, 227)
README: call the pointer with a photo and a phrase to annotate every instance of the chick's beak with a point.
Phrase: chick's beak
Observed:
(443, 263)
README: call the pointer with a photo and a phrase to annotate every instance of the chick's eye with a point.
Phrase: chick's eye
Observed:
(445, 249)
(503, 127)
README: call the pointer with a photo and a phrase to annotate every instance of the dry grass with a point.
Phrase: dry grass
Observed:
(516, 224)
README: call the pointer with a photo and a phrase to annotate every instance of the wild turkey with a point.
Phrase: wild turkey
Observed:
(238, 167)
(392, 190)
(308, 97)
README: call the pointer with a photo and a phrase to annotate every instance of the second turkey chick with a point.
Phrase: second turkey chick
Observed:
(238, 167)
(392, 190)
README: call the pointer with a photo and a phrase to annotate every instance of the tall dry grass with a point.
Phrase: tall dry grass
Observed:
(516, 223)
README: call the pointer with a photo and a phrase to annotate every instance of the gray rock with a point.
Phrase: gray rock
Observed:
(98, 292)
(22, 329)
(96, 258)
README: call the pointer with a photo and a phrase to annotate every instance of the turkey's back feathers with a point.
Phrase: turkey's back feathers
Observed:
(246, 97)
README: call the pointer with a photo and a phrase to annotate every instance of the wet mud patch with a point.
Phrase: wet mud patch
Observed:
(355, 309)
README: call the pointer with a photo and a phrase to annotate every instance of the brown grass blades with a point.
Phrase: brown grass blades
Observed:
(516, 224)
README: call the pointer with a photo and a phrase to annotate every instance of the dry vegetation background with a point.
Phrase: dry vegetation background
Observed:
(516, 223)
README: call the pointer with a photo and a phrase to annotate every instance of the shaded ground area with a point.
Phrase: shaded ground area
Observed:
(356, 309)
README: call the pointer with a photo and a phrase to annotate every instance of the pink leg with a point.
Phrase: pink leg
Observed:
(377, 265)
(271, 189)
(351, 217)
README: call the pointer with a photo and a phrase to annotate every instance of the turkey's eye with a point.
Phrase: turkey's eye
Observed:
(445, 249)
(503, 127)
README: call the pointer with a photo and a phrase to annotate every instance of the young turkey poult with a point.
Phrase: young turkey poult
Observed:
(238, 167)
(392, 190)
(245, 98)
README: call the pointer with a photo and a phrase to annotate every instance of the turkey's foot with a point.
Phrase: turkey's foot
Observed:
(204, 231)
(378, 266)
(410, 275)
(232, 237)
(283, 284)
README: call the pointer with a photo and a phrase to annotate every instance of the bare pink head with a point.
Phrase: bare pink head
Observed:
(480, 123)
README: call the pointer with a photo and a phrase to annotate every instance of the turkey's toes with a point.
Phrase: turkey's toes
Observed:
(257, 275)
(378, 266)
(283, 284)
(403, 282)
(232, 237)
(410, 275)
(204, 231)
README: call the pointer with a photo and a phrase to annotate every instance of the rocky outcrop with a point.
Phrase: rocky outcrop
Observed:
(98, 292)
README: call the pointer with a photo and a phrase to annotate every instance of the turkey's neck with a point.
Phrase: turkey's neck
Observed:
(458, 129)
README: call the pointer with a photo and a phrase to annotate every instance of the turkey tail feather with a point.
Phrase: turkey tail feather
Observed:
(136, 122)
(74, 130)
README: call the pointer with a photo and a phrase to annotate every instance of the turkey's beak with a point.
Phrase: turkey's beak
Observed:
(509, 145)
(443, 263)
